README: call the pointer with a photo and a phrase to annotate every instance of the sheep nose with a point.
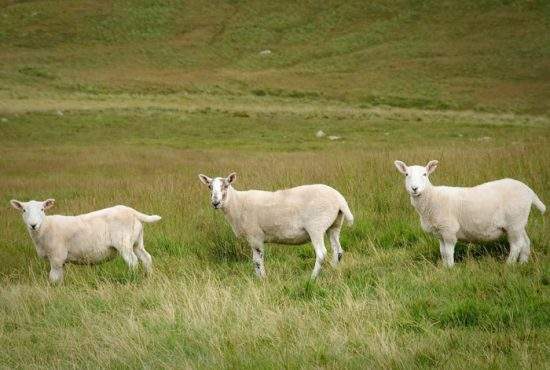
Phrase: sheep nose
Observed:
(216, 204)
(33, 226)
(414, 188)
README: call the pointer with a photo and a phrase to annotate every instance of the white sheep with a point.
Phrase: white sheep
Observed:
(87, 238)
(480, 213)
(291, 216)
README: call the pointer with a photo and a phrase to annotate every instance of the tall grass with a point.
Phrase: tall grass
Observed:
(389, 304)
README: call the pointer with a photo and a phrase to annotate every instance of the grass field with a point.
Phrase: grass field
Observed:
(104, 103)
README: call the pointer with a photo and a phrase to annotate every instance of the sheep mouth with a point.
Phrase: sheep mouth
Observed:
(416, 195)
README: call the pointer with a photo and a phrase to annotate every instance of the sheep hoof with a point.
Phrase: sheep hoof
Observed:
(56, 281)
(336, 259)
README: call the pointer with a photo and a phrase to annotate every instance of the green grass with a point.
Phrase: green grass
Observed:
(103, 103)
(390, 303)
(488, 55)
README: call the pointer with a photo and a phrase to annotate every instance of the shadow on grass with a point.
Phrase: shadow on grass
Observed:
(497, 249)
(113, 272)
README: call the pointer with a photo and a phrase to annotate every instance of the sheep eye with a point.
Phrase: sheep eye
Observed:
(42, 209)
(406, 174)
(424, 175)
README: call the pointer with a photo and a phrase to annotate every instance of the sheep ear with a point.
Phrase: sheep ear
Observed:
(231, 178)
(48, 203)
(401, 166)
(431, 166)
(205, 179)
(16, 204)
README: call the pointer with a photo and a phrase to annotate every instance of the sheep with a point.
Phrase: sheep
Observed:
(292, 216)
(480, 213)
(88, 238)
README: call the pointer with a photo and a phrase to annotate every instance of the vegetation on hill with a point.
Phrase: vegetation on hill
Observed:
(484, 55)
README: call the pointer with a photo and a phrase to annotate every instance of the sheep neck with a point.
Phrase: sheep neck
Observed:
(38, 236)
(231, 208)
(423, 203)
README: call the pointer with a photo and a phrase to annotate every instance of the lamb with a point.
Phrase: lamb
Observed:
(87, 238)
(292, 216)
(480, 213)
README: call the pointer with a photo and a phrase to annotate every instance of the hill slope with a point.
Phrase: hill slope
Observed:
(484, 55)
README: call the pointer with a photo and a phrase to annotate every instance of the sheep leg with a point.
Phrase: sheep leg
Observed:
(142, 255)
(447, 250)
(129, 257)
(56, 272)
(320, 252)
(337, 251)
(258, 256)
(334, 235)
(526, 249)
(516, 240)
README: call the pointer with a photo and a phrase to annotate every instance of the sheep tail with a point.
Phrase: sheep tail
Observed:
(538, 203)
(344, 208)
(146, 218)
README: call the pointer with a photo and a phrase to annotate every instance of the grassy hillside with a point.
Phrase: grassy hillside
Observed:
(483, 55)
(109, 102)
